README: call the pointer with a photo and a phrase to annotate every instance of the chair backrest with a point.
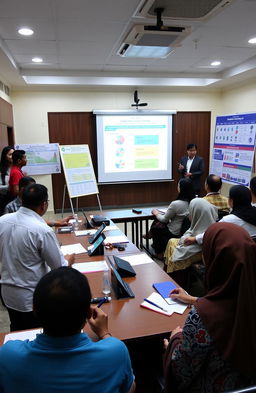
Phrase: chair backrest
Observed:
(222, 213)
(185, 225)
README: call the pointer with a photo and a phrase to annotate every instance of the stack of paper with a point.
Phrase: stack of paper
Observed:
(85, 232)
(116, 239)
(76, 248)
(164, 307)
(90, 267)
(138, 259)
(26, 335)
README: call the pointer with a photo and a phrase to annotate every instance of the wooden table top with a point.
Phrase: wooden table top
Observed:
(127, 319)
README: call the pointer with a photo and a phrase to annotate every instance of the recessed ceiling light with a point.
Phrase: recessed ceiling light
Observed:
(216, 63)
(25, 31)
(252, 40)
(37, 59)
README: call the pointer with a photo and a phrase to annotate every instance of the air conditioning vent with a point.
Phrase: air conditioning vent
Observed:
(4, 88)
(182, 9)
(152, 36)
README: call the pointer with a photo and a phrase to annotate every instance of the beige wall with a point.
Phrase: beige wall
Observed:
(30, 110)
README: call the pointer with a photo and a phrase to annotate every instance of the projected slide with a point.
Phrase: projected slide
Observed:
(134, 147)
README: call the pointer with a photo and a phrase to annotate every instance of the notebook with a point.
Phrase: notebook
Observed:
(155, 302)
(164, 288)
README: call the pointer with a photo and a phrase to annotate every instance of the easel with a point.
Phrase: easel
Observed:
(71, 203)
(78, 169)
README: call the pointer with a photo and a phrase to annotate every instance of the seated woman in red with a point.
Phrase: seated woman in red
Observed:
(216, 349)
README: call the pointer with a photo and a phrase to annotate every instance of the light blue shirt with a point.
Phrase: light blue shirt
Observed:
(28, 248)
(72, 364)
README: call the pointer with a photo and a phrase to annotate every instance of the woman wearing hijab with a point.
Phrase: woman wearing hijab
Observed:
(242, 214)
(178, 256)
(216, 349)
(168, 225)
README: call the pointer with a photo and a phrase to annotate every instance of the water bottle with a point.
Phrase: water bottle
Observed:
(76, 223)
(105, 282)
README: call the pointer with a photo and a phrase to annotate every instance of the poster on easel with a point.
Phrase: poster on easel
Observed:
(233, 148)
(78, 170)
(42, 159)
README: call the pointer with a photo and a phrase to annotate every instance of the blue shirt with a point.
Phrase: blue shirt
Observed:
(73, 364)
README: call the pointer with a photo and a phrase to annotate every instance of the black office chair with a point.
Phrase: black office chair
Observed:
(222, 213)
(185, 225)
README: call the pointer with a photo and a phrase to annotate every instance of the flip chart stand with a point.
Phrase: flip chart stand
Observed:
(71, 204)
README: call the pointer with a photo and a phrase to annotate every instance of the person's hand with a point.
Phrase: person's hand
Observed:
(98, 322)
(155, 212)
(181, 295)
(64, 222)
(189, 240)
(181, 167)
(188, 174)
(178, 329)
(70, 258)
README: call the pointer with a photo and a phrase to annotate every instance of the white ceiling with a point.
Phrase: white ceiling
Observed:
(79, 39)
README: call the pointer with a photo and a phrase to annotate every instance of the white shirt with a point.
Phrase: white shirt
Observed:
(251, 229)
(28, 247)
(189, 163)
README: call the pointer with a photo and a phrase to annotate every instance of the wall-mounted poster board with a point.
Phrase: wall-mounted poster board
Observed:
(42, 159)
(78, 170)
(233, 148)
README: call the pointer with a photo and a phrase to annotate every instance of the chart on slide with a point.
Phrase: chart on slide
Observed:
(78, 170)
(137, 145)
(42, 159)
(234, 147)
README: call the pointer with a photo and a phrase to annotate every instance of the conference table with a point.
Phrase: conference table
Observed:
(127, 319)
(138, 221)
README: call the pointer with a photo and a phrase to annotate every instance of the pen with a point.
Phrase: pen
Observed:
(98, 299)
(101, 302)
(154, 304)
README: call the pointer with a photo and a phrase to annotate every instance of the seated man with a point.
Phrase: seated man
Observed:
(14, 205)
(213, 185)
(62, 359)
(28, 248)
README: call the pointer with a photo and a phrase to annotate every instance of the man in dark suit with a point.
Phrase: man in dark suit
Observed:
(192, 166)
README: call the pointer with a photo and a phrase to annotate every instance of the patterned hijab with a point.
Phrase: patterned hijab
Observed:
(228, 309)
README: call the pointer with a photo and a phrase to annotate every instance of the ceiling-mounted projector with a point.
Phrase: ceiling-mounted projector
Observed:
(153, 40)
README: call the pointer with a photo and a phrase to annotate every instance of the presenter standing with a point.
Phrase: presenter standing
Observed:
(192, 167)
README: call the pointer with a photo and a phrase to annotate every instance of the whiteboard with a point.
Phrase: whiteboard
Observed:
(233, 148)
(78, 170)
(42, 159)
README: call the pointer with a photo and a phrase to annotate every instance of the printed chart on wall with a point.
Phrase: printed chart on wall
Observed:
(43, 159)
(233, 149)
(78, 170)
